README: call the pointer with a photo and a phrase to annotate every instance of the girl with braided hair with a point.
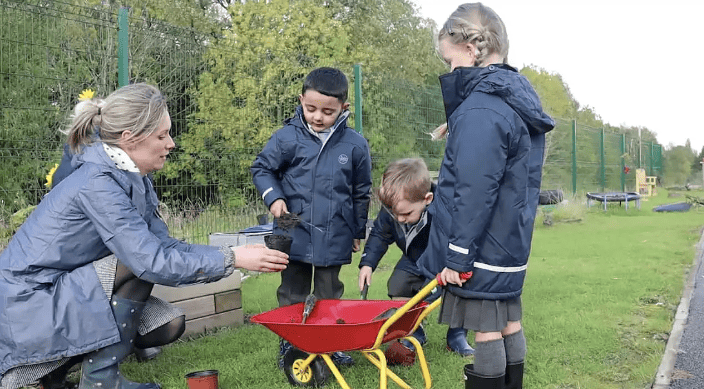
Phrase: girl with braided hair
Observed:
(487, 193)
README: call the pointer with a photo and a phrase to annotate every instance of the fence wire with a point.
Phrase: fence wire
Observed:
(51, 50)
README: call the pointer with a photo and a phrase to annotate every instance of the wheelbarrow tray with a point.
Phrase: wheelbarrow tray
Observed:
(338, 325)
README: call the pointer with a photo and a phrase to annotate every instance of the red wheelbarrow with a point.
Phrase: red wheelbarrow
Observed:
(347, 325)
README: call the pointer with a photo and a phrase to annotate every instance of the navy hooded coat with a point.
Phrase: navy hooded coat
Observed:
(327, 185)
(489, 181)
(386, 231)
(51, 302)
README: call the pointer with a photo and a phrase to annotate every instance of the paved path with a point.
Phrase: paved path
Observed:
(682, 366)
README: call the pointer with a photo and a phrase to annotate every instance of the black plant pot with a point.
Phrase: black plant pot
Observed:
(278, 242)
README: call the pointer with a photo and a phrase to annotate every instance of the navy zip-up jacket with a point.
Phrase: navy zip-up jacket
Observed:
(489, 181)
(327, 185)
(386, 231)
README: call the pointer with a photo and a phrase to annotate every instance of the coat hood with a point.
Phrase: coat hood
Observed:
(503, 81)
(92, 153)
(299, 120)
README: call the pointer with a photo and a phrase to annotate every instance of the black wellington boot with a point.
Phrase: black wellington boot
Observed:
(514, 376)
(476, 381)
(100, 368)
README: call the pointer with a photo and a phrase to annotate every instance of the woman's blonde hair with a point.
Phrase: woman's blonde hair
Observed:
(477, 24)
(138, 108)
(407, 179)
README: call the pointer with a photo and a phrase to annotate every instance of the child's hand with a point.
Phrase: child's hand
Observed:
(356, 243)
(449, 276)
(278, 208)
(365, 276)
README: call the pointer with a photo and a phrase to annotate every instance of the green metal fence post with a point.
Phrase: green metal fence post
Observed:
(623, 162)
(652, 156)
(574, 156)
(603, 161)
(123, 53)
(358, 98)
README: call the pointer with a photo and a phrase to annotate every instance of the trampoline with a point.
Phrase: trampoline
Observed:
(613, 197)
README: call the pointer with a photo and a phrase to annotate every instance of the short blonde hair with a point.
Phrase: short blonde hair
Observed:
(138, 108)
(477, 24)
(404, 179)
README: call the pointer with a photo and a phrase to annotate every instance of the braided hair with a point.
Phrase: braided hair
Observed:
(479, 25)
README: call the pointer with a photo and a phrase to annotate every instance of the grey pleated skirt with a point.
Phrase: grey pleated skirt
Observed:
(156, 313)
(478, 315)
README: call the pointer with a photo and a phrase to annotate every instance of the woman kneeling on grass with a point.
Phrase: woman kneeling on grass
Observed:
(75, 278)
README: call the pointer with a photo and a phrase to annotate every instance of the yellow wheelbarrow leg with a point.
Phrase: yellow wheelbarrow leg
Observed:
(421, 360)
(376, 357)
(335, 371)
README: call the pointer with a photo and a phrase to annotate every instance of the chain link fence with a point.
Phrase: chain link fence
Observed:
(51, 51)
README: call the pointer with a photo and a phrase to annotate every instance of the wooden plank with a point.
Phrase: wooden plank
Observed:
(171, 294)
(197, 307)
(228, 301)
(200, 325)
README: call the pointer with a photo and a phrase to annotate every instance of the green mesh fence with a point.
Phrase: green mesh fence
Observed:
(223, 112)
(49, 52)
(557, 169)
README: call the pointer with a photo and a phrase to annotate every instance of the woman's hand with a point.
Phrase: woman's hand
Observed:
(258, 257)
(278, 208)
(449, 276)
(365, 276)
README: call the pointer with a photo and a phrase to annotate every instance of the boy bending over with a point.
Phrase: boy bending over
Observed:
(406, 191)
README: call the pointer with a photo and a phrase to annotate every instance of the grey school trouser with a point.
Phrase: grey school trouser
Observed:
(296, 283)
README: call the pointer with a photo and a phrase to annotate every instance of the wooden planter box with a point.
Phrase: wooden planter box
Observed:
(212, 305)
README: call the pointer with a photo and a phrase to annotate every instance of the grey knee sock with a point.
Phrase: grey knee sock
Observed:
(515, 347)
(490, 358)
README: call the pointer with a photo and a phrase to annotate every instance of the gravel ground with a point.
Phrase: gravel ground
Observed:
(688, 372)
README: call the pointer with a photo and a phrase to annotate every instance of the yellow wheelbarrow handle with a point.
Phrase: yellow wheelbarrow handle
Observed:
(410, 304)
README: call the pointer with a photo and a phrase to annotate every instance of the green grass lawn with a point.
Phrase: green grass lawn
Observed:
(599, 301)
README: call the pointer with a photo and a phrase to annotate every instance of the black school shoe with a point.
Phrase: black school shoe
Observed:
(339, 358)
(342, 359)
(284, 346)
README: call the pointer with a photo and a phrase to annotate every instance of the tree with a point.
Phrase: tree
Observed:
(678, 165)
(697, 163)
(45, 78)
(255, 73)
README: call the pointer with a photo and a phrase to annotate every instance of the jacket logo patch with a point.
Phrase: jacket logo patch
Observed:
(342, 159)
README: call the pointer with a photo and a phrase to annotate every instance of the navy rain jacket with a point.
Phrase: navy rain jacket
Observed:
(489, 181)
(386, 231)
(51, 301)
(328, 186)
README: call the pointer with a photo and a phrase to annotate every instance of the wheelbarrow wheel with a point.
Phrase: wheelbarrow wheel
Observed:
(314, 375)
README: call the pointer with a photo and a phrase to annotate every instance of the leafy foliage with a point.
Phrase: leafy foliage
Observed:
(231, 71)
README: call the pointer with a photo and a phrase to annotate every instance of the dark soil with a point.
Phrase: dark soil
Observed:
(278, 242)
(288, 221)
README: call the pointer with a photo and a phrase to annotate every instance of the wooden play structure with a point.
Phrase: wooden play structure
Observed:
(646, 184)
